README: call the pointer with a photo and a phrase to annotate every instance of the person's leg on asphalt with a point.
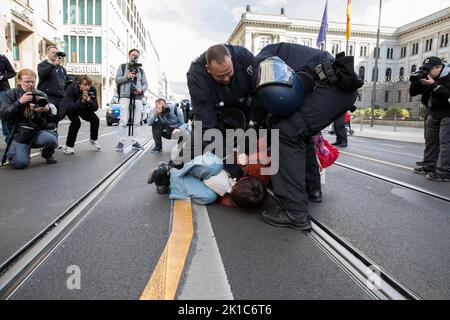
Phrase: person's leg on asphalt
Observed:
(135, 138)
(289, 183)
(157, 129)
(123, 123)
(19, 155)
(74, 126)
(341, 131)
(431, 152)
(94, 122)
(48, 141)
(443, 162)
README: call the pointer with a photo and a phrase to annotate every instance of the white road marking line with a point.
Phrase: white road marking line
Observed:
(376, 160)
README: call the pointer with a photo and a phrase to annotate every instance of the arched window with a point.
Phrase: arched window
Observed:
(401, 76)
(373, 74)
(413, 68)
(388, 75)
(362, 72)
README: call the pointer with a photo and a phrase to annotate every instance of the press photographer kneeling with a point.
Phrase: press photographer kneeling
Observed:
(34, 120)
(81, 102)
(167, 121)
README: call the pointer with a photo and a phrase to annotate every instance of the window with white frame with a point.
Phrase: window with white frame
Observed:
(444, 40)
(335, 48)
(415, 49)
(428, 45)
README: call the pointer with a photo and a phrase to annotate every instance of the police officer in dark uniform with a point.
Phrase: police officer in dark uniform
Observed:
(218, 81)
(303, 90)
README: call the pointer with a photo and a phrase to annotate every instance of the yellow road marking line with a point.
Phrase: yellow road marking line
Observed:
(164, 281)
(376, 160)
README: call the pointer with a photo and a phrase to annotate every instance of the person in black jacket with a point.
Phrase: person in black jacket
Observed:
(218, 80)
(32, 115)
(303, 90)
(432, 81)
(53, 78)
(81, 102)
(6, 72)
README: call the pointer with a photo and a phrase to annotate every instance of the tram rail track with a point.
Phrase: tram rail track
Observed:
(20, 266)
(371, 278)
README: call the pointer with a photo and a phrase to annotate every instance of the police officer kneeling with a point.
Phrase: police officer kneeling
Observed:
(167, 122)
(303, 90)
(34, 121)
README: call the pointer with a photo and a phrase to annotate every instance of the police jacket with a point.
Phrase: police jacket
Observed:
(27, 122)
(73, 102)
(206, 94)
(439, 93)
(52, 79)
(6, 72)
(173, 117)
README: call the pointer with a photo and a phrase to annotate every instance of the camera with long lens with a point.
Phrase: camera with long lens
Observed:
(134, 66)
(39, 99)
(420, 74)
(61, 54)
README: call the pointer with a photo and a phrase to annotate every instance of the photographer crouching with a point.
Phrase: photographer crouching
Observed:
(432, 81)
(131, 86)
(34, 120)
(167, 122)
(81, 102)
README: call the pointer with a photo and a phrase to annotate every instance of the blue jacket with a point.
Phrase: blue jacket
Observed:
(188, 182)
(174, 120)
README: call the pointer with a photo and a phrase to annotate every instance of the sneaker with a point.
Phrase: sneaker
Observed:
(119, 146)
(419, 163)
(156, 150)
(438, 177)
(423, 170)
(68, 150)
(137, 146)
(94, 144)
(51, 160)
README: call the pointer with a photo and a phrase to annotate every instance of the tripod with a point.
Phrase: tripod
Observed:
(131, 109)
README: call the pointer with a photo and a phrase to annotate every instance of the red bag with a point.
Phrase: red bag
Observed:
(347, 117)
(326, 153)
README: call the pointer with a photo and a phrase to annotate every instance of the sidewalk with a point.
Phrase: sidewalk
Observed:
(404, 134)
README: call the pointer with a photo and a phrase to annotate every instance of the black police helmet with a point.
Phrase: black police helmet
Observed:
(278, 88)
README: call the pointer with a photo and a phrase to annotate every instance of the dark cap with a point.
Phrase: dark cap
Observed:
(431, 62)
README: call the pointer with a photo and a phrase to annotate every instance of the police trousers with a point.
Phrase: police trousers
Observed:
(319, 109)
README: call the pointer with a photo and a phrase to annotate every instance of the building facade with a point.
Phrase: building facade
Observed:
(401, 51)
(29, 26)
(98, 35)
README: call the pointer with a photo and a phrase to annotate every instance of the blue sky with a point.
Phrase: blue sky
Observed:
(183, 29)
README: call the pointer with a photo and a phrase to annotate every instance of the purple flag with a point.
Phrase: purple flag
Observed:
(323, 28)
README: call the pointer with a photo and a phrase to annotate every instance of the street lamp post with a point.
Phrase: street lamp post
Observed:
(375, 70)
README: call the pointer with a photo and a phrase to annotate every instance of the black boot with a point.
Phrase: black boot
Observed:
(283, 218)
(315, 196)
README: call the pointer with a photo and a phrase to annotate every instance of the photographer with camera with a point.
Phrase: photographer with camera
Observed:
(81, 102)
(33, 118)
(167, 122)
(432, 81)
(131, 86)
(53, 78)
